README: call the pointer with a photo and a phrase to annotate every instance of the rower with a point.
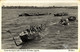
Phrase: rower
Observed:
(23, 36)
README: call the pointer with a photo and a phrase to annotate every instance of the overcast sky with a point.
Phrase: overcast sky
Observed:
(39, 2)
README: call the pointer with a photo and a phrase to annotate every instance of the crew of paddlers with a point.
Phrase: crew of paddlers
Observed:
(31, 33)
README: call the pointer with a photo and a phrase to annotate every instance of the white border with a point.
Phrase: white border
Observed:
(50, 1)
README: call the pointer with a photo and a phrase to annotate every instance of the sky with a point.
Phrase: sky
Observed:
(39, 2)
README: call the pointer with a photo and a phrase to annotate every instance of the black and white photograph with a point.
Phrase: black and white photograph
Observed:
(40, 26)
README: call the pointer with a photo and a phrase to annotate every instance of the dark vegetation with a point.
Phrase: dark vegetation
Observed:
(33, 7)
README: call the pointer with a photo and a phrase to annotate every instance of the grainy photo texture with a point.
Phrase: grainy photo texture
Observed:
(34, 27)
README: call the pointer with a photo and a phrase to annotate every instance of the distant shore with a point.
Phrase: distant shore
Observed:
(33, 7)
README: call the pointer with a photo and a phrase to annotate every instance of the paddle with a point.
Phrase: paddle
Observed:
(13, 38)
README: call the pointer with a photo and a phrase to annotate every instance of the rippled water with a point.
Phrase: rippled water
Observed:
(55, 35)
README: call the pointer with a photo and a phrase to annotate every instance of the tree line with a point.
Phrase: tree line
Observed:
(72, 7)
